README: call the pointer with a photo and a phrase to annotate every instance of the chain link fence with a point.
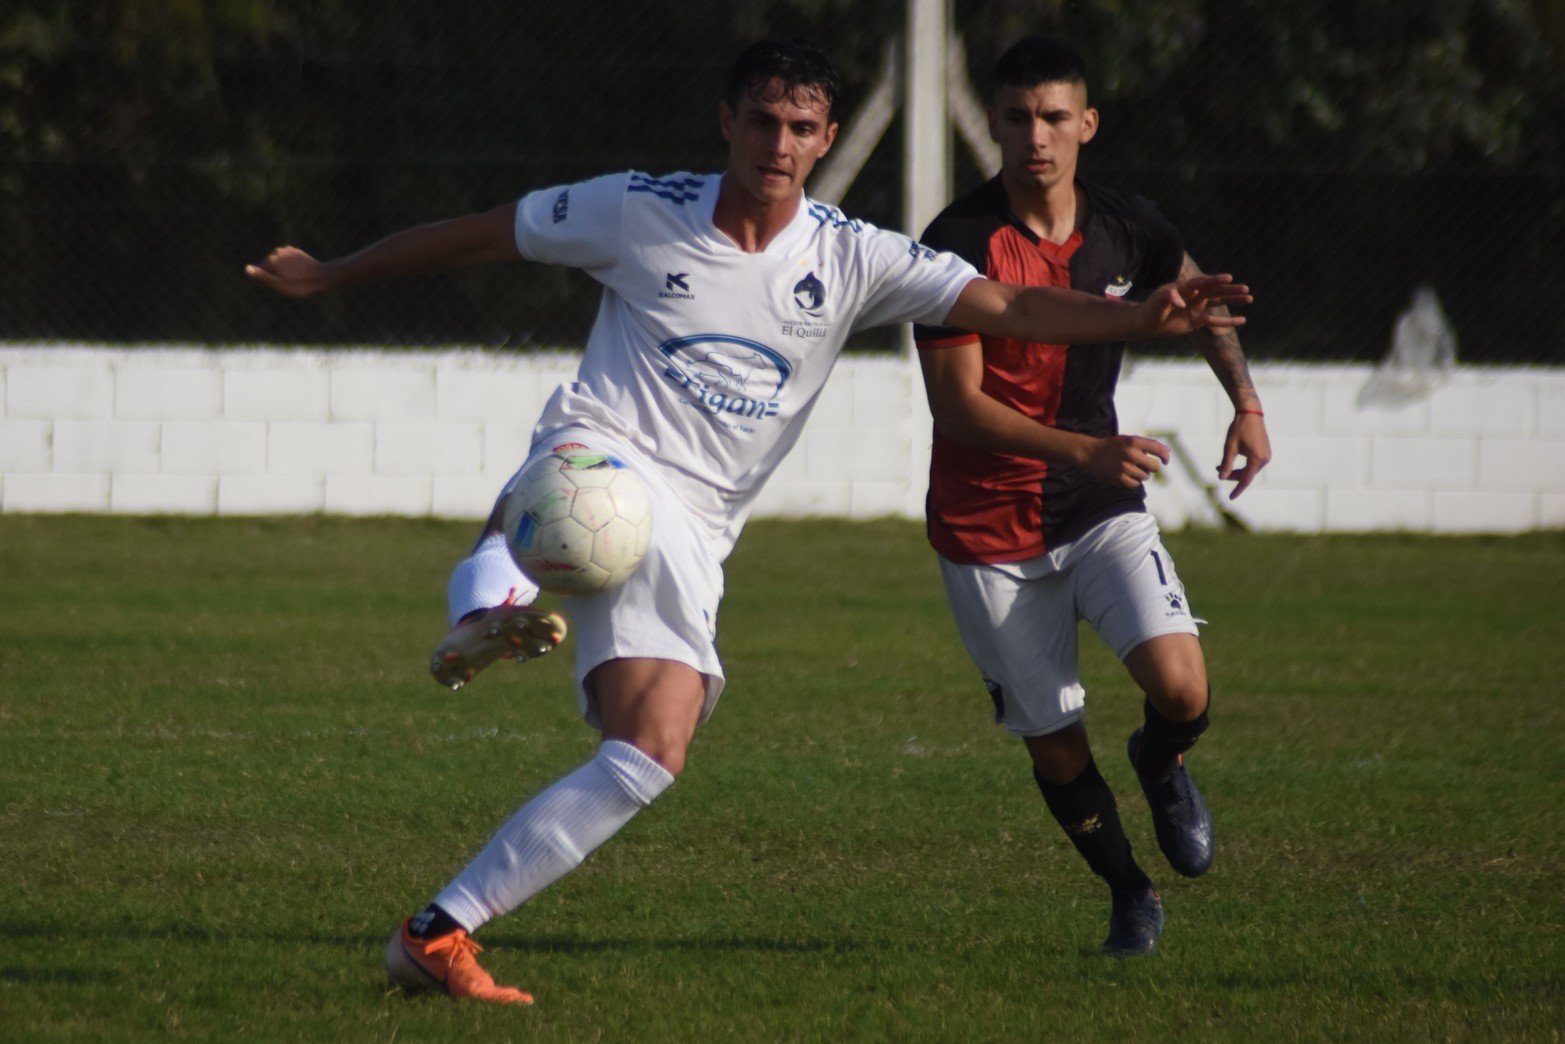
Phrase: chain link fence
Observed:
(1336, 155)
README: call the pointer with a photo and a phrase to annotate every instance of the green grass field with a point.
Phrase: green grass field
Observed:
(225, 775)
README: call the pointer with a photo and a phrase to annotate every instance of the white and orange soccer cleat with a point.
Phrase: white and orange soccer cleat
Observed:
(503, 632)
(447, 964)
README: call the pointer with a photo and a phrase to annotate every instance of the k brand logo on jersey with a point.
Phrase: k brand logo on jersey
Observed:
(732, 378)
(809, 294)
(674, 285)
(562, 206)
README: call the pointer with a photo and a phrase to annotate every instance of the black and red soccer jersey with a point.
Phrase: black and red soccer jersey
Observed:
(991, 507)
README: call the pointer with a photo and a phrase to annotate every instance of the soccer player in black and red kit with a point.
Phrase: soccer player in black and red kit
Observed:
(1036, 506)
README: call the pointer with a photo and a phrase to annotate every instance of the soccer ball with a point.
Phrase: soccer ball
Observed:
(578, 521)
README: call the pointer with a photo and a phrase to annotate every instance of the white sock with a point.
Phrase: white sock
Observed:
(487, 577)
(554, 832)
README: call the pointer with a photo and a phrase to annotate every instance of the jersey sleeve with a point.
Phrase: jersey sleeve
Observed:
(941, 235)
(576, 225)
(910, 281)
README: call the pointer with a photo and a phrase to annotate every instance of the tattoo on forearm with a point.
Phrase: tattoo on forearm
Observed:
(1222, 351)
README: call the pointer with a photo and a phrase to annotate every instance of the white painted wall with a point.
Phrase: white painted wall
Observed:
(244, 432)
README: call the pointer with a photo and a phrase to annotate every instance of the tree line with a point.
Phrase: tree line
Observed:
(1337, 154)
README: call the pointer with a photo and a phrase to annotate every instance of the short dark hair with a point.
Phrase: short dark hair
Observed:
(1034, 60)
(802, 68)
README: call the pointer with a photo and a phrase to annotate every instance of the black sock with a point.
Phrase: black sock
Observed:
(1085, 808)
(1164, 739)
(432, 923)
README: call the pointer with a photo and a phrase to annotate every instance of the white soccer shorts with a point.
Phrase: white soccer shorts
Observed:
(667, 609)
(1018, 620)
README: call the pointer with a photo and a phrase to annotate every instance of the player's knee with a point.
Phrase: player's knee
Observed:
(1059, 757)
(668, 751)
(1172, 672)
(1181, 697)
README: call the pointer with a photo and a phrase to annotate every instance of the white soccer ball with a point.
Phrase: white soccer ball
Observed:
(578, 521)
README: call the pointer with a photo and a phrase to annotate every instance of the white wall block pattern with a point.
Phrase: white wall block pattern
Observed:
(270, 494)
(505, 448)
(55, 493)
(463, 497)
(1482, 405)
(1344, 416)
(109, 447)
(1522, 464)
(68, 390)
(1469, 512)
(163, 494)
(25, 446)
(428, 449)
(149, 392)
(363, 393)
(1551, 407)
(320, 449)
(377, 495)
(248, 431)
(221, 447)
(298, 393)
(1368, 510)
(1424, 463)
(1269, 507)
(489, 394)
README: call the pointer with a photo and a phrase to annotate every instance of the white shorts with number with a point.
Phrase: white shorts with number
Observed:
(667, 610)
(1018, 620)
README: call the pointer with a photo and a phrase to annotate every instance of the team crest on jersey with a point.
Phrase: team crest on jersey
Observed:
(736, 380)
(809, 294)
(1119, 287)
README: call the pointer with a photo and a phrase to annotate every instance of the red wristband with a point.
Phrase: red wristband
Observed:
(1256, 413)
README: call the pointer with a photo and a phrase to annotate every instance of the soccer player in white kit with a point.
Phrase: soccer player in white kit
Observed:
(726, 301)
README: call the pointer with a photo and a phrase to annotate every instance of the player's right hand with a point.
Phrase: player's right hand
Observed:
(291, 272)
(1125, 460)
(1194, 303)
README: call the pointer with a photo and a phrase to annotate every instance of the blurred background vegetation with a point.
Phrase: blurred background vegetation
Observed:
(1335, 154)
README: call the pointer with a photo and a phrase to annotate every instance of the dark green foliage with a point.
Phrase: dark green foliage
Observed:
(1335, 154)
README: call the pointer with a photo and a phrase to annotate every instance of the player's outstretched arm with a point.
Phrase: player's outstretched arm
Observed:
(965, 414)
(1247, 436)
(1054, 315)
(475, 239)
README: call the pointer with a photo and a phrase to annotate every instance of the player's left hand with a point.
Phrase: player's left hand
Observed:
(1246, 437)
(1195, 303)
(291, 272)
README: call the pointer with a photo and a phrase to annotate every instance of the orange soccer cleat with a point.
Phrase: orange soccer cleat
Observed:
(504, 632)
(446, 963)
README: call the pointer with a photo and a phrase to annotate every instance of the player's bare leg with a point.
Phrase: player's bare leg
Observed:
(1084, 806)
(1171, 670)
(649, 710)
(654, 705)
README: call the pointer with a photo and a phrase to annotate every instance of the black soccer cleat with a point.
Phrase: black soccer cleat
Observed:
(1179, 814)
(1134, 924)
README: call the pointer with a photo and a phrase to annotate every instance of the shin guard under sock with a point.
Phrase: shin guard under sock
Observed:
(1085, 808)
(1164, 739)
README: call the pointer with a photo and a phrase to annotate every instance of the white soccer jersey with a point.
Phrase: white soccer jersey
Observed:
(706, 358)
